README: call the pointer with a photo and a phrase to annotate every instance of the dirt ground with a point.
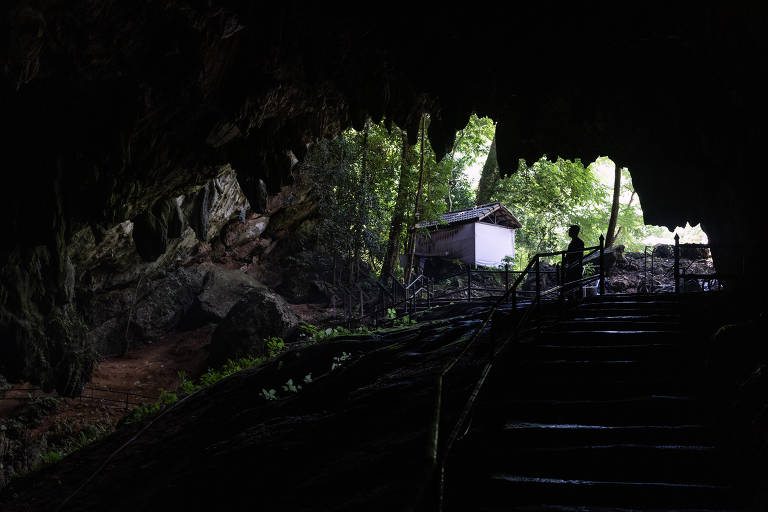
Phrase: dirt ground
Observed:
(144, 373)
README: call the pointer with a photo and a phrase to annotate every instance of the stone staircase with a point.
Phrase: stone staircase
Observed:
(599, 412)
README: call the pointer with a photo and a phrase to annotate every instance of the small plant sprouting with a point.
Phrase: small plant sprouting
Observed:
(275, 345)
(290, 386)
(391, 313)
(339, 360)
(269, 395)
(308, 378)
(313, 334)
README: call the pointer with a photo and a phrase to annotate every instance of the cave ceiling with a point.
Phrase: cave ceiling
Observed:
(128, 102)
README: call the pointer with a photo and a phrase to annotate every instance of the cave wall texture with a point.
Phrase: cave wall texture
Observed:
(112, 108)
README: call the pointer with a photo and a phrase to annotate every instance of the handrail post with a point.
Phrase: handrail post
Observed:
(677, 263)
(538, 277)
(506, 280)
(514, 298)
(469, 284)
(602, 268)
(561, 277)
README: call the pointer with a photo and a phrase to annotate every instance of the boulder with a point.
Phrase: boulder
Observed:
(548, 275)
(694, 253)
(221, 290)
(149, 310)
(611, 255)
(664, 251)
(257, 316)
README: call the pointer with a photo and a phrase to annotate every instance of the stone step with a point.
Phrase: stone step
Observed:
(594, 379)
(517, 435)
(502, 491)
(582, 508)
(625, 462)
(598, 413)
(653, 409)
(637, 352)
(611, 337)
(638, 323)
(607, 369)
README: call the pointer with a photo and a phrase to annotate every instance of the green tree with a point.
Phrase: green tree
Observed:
(366, 186)
(547, 197)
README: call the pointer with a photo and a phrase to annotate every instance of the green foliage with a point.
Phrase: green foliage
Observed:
(52, 457)
(187, 386)
(145, 410)
(229, 368)
(291, 387)
(406, 320)
(312, 333)
(547, 197)
(275, 345)
(339, 361)
(355, 177)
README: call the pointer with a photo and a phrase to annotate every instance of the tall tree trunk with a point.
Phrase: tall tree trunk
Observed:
(360, 211)
(629, 204)
(452, 180)
(610, 237)
(489, 176)
(398, 215)
(416, 204)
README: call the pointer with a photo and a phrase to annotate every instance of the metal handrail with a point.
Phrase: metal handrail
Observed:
(560, 253)
(436, 463)
(418, 278)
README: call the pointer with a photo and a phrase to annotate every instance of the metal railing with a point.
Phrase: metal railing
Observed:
(679, 274)
(112, 396)
(433, 497)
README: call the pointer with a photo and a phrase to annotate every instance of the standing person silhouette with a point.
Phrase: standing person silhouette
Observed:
(574, 266)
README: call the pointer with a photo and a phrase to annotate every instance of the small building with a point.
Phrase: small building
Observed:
(483, 235)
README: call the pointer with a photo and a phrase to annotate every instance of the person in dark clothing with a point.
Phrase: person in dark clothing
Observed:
(574, 266)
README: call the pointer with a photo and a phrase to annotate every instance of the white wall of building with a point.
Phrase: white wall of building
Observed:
(492, 244)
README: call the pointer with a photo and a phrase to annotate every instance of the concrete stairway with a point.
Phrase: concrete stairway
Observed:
(599, 412)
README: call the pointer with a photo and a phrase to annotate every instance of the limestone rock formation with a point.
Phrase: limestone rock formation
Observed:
(221, 290)
(257, 316)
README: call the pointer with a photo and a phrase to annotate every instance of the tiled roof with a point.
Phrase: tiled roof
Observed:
(471, 214)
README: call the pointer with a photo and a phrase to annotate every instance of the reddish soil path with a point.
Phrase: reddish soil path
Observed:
(146, 371)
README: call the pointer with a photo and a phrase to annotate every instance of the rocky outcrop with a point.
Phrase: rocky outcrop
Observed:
(128, 297)
(151, 229)
(153, 307)
(259, 315)
(221, 290)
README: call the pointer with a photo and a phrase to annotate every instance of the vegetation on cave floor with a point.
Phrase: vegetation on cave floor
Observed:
(40, 430)
(32, 436)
